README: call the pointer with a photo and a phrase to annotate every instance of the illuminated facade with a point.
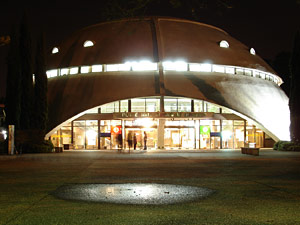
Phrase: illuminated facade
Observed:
(188, 85)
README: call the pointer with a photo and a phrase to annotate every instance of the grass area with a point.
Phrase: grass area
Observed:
(260, 191)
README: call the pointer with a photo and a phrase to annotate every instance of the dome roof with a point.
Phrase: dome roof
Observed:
(155, 39)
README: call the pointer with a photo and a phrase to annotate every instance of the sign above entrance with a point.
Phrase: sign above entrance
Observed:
(164, 115)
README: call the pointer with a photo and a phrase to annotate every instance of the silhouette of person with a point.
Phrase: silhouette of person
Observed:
(145, 140)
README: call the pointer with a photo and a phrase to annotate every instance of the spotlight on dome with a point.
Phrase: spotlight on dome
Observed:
(55, 50)
(224, 44)
(88, 43)
(252, 51)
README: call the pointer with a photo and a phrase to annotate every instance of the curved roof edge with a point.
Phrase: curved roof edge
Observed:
(158, 18)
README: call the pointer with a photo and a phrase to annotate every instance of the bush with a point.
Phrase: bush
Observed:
(45, 147)
(286, 146)
(3, 147)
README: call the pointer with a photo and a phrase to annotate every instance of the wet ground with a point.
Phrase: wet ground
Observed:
(248, 189)
(132, 193)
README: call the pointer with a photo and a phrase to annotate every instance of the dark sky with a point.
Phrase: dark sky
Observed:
(268, 26)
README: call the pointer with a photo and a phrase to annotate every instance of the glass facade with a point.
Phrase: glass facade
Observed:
(182, 126)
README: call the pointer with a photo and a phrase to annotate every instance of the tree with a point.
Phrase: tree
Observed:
(40, 88)
(13, 83)
(281, 66)
(26, 66)
(189, 9)
(294, 101)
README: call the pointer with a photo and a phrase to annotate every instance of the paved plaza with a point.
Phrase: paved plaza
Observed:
(248, 189)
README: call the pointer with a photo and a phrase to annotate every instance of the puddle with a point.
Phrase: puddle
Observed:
(135, 193)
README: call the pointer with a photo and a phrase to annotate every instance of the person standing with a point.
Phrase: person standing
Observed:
(129, 139)
(145, 140)
(134, 141)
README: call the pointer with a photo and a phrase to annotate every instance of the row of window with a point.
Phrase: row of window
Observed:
(167, 66)
(153, 105)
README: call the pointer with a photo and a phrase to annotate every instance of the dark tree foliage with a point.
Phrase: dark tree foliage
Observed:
(189, 9)
(40, 88)
(281, 66)
(26, 74)
(294, 101)
(13, 83)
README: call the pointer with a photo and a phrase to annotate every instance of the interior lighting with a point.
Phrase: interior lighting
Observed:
(118, 67)
(85, 69)
(145, 122)
(197, 67)
(255, 73)
(252, 51)
(143, 65)
(91, 136)
(4, 133)
(262, 75)
(248, 72)
(74, 70)
(64, 71)
(239, 71)
(229, 70)
(55, 50)
(96, 68)
(226, 134)
(224, 44)
(177, 65)
(88, 43)
(218, 69)
(51, 73)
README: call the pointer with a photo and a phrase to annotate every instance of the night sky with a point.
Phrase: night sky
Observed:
(268, 26)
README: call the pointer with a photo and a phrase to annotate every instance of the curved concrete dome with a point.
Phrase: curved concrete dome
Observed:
(157, 40)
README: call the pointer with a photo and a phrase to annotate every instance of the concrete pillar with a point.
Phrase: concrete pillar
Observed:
(11, 139)
(161, 134)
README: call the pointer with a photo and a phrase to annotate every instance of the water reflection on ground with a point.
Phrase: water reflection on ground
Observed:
(132, 193)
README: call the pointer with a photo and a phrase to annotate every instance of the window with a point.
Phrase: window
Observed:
(51, 73)
(110, 107)
(224, 44)
(212, 108)
(177, 65)
(74, 70)
(64, 71)
(88, 43)
(138, 105)
(152, 105)
(55, 50)
(85, 69)
(229, 70)
(170, 105)
(239, 71)
(143, 66)
(225, 110)
(124, 105)
(96, 68)
(198, 106)
(204, 67)
(248, 72)
(256, 73)
(118, 67)
(218, 69)
(184, 105)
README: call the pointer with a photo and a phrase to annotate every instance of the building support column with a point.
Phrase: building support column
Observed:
(161, 134)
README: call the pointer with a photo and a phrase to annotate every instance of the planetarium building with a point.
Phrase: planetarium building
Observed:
(187, 85)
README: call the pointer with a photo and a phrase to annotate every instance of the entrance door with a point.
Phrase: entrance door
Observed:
(139, 132)
(180, 138)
